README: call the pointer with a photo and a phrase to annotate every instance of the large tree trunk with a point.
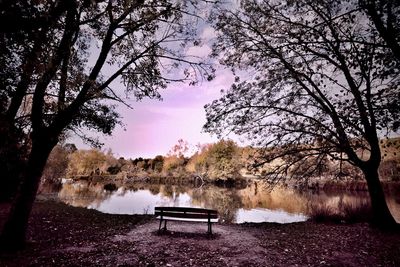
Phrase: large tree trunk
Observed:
(382, 217)
(13, 235)
(12, 159)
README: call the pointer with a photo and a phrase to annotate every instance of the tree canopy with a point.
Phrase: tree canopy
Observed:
(66, 64)
(319, 81)
(322, 79)
(62, 73)
(384, 15)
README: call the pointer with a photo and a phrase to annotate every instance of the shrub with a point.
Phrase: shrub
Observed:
(361, 212)
(344, 212)
(323, 213)
(172, 163)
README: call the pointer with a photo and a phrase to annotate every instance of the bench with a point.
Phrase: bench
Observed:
(185, 214)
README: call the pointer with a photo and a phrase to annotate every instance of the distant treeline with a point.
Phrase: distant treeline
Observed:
(223, 161)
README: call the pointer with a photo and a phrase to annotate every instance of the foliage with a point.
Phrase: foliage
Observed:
(179, 149)
(345, 213)
(173, 163)
(69, 91)
(213, 160)
(218, 161)
(384, 14)
(390, 167)
(157, 163)
(141, 164)
(322, 84)
(197, 162)
(61, 61)
(88, 162)
(57, 164)
(49, 85)
(223, 160)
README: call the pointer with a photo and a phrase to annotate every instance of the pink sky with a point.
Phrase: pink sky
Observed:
(152, 127)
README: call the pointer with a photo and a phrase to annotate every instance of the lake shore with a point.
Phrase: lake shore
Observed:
(61, 235)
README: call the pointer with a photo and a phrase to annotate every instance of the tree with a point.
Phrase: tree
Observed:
(173, 163)
(219, 161)
(175, 159)
(88, 162)
(222, 160)
(61, 75)
(197, 162)
(324, 85)
(56, 165)
(384, 14)
(179, 149)
(157, 163)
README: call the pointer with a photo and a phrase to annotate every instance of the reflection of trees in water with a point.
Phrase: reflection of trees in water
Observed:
(154, 189)
(226, 201)
(339, 203)
(167, 191)
(180, 189)
(83, 193)
(356, 199)
(258, 196)
(173, 192)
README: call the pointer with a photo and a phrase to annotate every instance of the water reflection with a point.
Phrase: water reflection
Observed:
(255, 203)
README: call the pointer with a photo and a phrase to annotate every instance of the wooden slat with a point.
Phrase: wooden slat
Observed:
(186, 209)
(188, 215)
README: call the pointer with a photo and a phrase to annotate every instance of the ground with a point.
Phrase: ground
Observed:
(60, 235)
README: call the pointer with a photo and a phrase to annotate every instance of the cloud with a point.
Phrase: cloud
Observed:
(199, 51)
(208, 34)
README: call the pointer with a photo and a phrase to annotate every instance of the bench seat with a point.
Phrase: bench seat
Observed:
(186, 214)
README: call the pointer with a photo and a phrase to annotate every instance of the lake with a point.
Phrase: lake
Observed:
(255, 203)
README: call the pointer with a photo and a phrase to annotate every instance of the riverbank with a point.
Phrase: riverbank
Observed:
(185, 179)
(60, 235)
(352, 186)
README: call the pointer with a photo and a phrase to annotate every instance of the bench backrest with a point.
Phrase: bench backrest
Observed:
(183, 212)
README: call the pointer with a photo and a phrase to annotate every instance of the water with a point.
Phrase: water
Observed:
(255, 203)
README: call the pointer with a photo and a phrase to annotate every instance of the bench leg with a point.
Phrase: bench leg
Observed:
(159, 227)
(165, 225)
(209, 231)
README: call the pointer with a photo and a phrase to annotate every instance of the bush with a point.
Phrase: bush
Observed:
(323, 213)
(172, 163)
(92, 162)
(344, 213)
(219, 161)
(357, 213)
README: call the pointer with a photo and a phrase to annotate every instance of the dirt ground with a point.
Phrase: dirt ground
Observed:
(60, 235)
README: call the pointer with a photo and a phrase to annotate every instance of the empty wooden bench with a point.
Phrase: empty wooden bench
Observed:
(186, 214)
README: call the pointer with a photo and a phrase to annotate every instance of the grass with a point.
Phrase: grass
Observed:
(343, 213)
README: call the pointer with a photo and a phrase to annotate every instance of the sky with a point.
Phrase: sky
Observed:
(153, 127)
